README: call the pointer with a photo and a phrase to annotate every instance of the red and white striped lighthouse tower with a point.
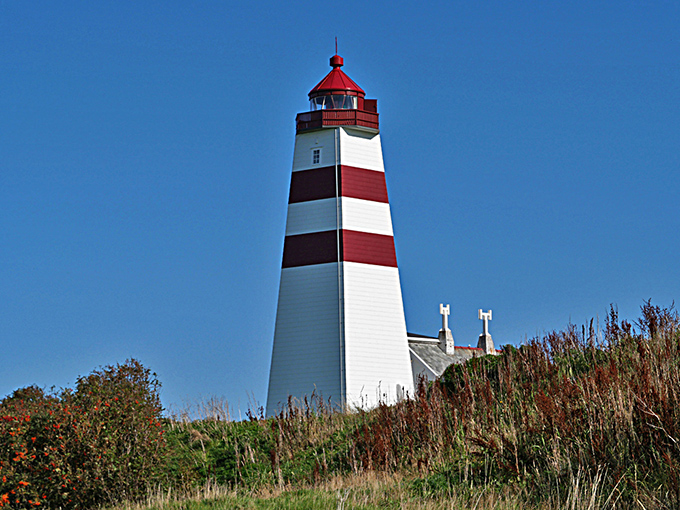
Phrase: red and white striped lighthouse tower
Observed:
(340, 328)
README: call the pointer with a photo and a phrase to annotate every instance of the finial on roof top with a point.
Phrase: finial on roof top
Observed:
(336, 61)
(486, 317)
(445, 311)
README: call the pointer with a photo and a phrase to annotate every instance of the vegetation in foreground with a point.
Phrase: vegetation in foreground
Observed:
(567, 421)
(370, 491)
(99, 444)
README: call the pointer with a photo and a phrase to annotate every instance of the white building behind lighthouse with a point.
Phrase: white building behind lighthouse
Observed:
(340, 329)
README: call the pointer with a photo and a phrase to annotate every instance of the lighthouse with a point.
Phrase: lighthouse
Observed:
(340, 330)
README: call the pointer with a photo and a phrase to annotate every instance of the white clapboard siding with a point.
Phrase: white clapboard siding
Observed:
(306, 353)
(355, 214)
(323, 139)
(313, 216)
(376, 345)
(366, 216)
(358, 148)
(361, 149)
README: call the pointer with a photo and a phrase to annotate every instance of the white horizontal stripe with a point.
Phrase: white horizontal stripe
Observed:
(314, 216)
(304, 144)
(355, 214)
(366, 216)
(361, 149)
(357, 148)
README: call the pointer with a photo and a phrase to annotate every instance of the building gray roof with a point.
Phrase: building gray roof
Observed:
(428, 350)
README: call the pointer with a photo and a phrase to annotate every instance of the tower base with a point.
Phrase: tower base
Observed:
(486, 342)
(446, 343)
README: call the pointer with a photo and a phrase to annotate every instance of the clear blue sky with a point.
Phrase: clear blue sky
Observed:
(531, 149)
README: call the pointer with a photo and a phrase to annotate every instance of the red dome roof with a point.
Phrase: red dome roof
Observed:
(336, 82)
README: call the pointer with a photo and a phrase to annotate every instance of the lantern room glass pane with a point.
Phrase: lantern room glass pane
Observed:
(334, 102)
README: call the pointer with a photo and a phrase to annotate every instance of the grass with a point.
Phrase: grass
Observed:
(573, 420)
(372, 492)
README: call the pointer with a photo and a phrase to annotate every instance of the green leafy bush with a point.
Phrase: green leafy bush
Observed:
(101, 443)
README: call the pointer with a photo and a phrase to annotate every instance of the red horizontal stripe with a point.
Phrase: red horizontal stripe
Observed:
(310, 249)
(319, 183)
(315, 184)
(322, 248)
(368, 248)
(364, 184)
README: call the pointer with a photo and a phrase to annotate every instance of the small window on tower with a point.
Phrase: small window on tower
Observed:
(316, 156)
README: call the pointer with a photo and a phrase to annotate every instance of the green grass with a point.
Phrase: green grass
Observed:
(572, 420)
(366, 493)
(373, 491)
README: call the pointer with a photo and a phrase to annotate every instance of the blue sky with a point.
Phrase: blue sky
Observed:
(145, 152)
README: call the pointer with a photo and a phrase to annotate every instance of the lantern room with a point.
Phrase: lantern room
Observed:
(338, 101)
(336, 91)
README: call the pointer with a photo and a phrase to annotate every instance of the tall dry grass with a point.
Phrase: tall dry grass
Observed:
(372, 490)
(573, 419)
(539, 415)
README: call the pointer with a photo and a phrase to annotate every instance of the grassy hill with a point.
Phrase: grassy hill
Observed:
(570, 420)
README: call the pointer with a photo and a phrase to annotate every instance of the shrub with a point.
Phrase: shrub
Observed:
(101, 443)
